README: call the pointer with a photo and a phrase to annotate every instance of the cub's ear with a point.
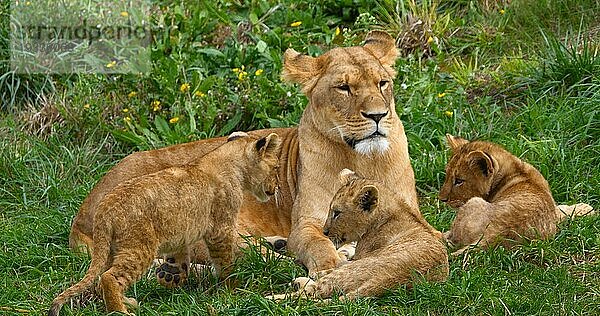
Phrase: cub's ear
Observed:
(454, 142)
(268, 145)
(367, 198)
(346, 176)
(382, 46)
(483, 161)
(236, 135)
(302, 69)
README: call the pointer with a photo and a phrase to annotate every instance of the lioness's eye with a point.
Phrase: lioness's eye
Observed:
(458, 181)
(383, 84)
(344, 87)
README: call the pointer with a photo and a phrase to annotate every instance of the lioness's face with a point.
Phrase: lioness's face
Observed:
(263, 168)
(350, 92)
(350, 212)
(468, 174)
(355, 96)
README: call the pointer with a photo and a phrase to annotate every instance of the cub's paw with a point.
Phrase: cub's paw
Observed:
(171, 274)
(346, 252)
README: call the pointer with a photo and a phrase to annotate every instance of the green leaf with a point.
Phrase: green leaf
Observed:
(261, 46)
(211, 52)
(161, 125)
(253, 18)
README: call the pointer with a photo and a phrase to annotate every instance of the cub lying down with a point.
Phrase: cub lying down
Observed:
(500, 198)
(170, 210)
(395, 245)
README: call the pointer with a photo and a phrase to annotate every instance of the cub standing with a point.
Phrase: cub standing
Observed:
(170, 210)
(500, 198)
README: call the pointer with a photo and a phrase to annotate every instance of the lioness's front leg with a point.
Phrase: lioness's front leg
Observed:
(311, 247)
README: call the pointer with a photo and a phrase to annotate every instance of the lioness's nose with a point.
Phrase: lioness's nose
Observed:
(374, 116)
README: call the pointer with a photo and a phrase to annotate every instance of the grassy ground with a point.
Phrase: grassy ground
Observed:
(523, 73)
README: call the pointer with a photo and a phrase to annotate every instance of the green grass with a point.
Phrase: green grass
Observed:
(521, 73)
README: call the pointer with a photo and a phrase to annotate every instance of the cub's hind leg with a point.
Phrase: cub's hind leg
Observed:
(174, 270)
(222, 243)
(129, 264)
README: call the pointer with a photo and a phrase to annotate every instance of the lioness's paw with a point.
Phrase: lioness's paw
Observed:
(170, 274)
(301, 283)
(278, 243)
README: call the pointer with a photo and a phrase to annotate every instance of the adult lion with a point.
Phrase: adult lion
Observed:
(350, 122)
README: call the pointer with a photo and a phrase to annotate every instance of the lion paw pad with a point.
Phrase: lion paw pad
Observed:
(170, 274)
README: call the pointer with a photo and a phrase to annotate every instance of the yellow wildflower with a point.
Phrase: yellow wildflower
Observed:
(429, 40)
(258, 72)
(125, 110)
(295, 24)
(28, 3)
(242, 75)
(111, 64)
(124, 14)
(502, 11)
(132, 94)
(449, 113)
(199, 94)
(184, 87)
(86, 106)
(127, 119)
(337, 31)
(174, 120)
(441, 95)
(155, 105)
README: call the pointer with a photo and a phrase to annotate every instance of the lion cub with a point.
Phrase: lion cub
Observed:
(500, 198)
(395, 244)
(171, 210)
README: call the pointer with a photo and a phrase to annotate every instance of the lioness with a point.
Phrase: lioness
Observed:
(395, 245)
(500, 198)
(349, 122)
(171, 210)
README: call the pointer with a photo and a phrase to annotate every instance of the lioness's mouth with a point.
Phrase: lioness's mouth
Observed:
(353, 141)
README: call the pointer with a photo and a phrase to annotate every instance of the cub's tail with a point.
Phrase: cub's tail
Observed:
(100, 255)
(569, 211)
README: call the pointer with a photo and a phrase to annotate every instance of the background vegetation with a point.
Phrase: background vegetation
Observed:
(523, 73)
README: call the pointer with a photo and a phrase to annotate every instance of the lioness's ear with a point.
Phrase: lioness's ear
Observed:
(367, 198)
(383, 47)
(483, 161)
(299, 68)
(347, 175)
(236, 135)
(268, 145)
(454, 142)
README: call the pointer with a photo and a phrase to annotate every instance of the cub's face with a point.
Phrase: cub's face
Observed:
(263, 166)
(469, 174)
(351, 211)
(350, 92)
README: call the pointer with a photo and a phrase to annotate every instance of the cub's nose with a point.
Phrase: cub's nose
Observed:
(377, 116)
(326, 232)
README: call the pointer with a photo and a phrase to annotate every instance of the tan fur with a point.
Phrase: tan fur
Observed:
(170, 210)
(327, 140)
(500, 198)
(395, 245)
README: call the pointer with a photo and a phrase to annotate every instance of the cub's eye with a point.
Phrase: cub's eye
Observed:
(383, 84)
(458, 182)
(344, 88)
(336, 214)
